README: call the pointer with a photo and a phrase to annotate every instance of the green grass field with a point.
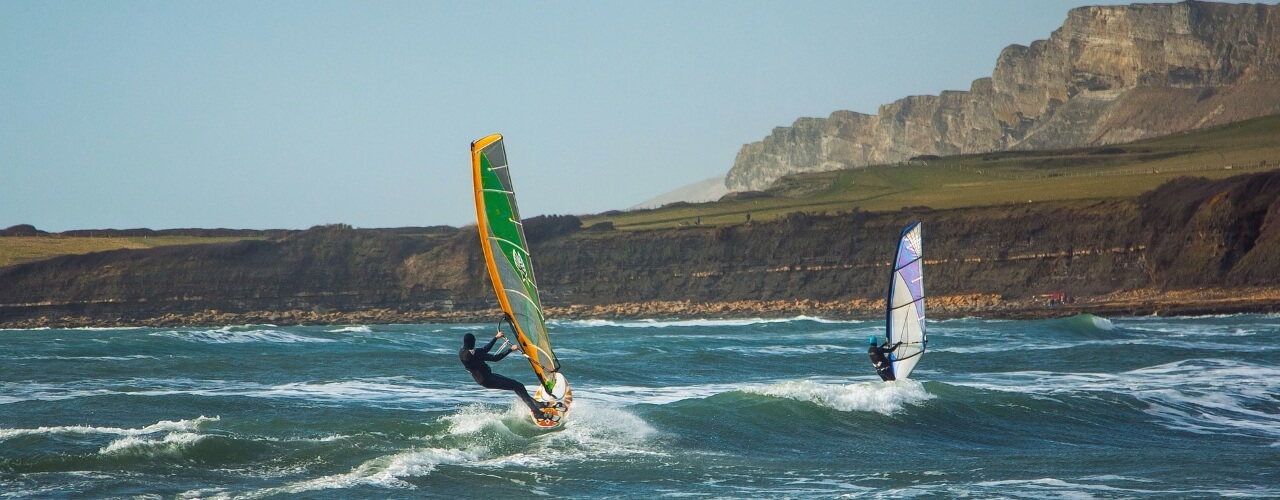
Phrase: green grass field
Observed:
(1108, 172)
(19, 249)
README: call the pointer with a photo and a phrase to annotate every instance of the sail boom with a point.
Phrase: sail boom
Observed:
(908, 303)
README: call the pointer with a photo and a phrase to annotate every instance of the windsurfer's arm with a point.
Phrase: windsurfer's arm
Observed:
(497, 357)
(485, 350)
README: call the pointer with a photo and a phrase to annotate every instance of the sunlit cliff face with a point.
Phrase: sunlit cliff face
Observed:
(1109, 75)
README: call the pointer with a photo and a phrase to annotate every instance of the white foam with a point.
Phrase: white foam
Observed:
(591, 431)
(1200, 396)
(1157, 317)
(885, 398)
(1191, 335)
(385, 391)
(1197, 343)
(789, 349)
(233, 335)
(600, 430)
(326, 439)
(207, 493)
(620, 395)
(567, 352)
(1061, 488)
(1005, 346)
(171, 444)
(352, 329)
(384, 472)
(379, 391)
(588, 422)
(1183, 327)
(82, 358)
(350, 390)
(171, 426)
(15, 392)
(477, 417)
(476, 432)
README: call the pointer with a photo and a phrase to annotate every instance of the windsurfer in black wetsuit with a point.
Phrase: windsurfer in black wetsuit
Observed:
(880, 358)
(474, 360)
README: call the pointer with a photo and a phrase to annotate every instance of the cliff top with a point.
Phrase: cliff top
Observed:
(1012, 177)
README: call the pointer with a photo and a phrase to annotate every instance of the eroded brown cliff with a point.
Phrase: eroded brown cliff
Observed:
(1189, 235)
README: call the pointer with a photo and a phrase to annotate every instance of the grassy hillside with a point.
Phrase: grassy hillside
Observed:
(19, 249)
(1105, 172)
(1110, 172)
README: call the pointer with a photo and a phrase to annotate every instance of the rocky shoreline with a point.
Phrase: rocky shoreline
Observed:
(991, 306)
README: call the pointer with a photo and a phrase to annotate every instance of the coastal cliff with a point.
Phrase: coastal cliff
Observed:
(1193, 245)
(1108, 75)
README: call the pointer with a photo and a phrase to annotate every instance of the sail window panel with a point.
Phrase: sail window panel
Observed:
(901, 295)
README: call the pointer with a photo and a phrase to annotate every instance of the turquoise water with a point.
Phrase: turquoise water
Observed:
(1083, 407)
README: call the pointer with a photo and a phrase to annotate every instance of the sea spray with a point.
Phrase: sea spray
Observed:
(880, 397)
(997, 408)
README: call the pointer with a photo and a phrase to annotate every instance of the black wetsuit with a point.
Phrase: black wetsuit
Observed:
(474, 361)
(880, 360)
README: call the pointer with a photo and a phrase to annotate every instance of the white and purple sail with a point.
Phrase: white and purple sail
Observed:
(905, 321)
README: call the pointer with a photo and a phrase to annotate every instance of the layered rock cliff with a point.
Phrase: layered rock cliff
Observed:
(1188, 235)
(1109, 75)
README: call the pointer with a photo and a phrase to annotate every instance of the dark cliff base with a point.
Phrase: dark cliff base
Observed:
(1139, 303)
(1193, 246)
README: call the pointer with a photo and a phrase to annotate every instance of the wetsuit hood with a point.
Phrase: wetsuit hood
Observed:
(468, 341)
(871, 340)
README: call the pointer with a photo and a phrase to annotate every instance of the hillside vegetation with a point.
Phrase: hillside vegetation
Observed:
(970, 181)
(20, 249)
(1097, 173)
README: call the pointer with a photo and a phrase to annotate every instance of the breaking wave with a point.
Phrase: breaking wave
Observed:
(238, 335)
(885, 398)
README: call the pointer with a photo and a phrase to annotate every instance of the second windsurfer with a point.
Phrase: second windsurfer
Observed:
(880, 358)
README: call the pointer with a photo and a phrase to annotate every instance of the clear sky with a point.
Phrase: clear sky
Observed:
(289, 114)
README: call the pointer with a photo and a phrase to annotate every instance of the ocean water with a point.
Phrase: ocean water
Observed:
(1084, 407)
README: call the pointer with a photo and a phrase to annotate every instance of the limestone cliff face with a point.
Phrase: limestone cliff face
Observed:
(1109, 75)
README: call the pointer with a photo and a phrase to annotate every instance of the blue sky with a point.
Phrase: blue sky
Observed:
(289, 114)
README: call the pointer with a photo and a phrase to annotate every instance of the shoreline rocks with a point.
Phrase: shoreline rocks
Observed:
(989, 306)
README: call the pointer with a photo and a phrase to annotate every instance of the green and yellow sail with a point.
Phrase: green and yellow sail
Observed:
(506, 254)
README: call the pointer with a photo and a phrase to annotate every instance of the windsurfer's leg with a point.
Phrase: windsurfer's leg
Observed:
(495, 381)
(885, 371)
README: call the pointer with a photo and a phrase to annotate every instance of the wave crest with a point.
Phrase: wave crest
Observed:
(884, 398)
(352, 329)
(180, 426)
(173, 443)
(233, 335)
